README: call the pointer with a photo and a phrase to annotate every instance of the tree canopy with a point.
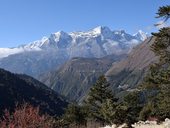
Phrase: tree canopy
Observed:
(163, 12)
(101, 101)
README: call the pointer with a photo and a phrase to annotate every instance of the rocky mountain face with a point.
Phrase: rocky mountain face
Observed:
(128, 73)
(41, 56)
(18, 89)
(75, 78)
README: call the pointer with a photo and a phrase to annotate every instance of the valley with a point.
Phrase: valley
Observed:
(84, 64)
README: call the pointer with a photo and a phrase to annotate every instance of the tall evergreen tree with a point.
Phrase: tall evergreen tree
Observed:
(164, 102)
(75, 115)
(158, 80)
(101, 101)
(133, 104)
(108, 111)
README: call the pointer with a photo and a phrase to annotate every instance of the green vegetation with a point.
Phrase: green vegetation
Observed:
(158, 80)
(74, 115)
(164, 12)
(101, 102)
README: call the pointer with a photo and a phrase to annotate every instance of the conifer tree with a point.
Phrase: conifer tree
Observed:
(164, 102)
(101, 101)
(108, 111)
(75, 115)
(158, 80)
(132, 101)
(164, 12)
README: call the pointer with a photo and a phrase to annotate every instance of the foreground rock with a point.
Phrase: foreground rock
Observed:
(152, 124)
(146, 124)
(115, 126)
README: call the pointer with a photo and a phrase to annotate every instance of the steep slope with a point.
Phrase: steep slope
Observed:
(128, 73)
(75, 78)
(61, 46)
(21, 88)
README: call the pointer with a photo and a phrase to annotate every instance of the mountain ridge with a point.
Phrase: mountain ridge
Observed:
(19, 89)
(100, 30)
(76, 76)
(60, 47)
(123, 74)
(128, 73)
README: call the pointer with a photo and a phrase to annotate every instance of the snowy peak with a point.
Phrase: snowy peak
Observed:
(119, 32)
(37, 44)
(53, 41)
(60, 34)
(96, 42)
(104, 31)
(62, 39)
(101, 30)
(59, 37)
(140, 35)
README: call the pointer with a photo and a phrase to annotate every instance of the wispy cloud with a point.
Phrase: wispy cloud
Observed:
(149, 28)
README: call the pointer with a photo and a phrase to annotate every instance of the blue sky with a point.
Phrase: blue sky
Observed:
(23, 21)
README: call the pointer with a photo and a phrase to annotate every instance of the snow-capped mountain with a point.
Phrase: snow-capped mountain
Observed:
(140, 35)
(97, 42)
(61, 46)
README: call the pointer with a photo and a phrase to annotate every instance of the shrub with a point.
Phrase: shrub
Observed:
(26, 116)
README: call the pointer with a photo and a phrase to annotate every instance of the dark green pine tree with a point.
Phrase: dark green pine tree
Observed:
(101, 102)
(161, 45)
(108, 111)
(163, 12)
(133, 104)
(75, 115)
(158, 80)
(164, 102)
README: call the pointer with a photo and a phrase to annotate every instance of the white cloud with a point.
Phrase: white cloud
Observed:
(149, 28)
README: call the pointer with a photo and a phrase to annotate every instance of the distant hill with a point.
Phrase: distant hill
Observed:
(17, 89)
(75, 77)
